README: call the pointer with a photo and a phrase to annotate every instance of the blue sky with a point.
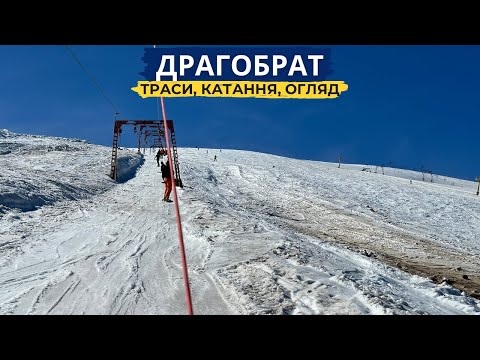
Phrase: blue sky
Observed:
(412, 106)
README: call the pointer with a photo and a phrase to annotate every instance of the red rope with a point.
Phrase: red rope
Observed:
(177, 212)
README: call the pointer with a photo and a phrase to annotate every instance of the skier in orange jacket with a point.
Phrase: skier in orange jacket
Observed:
(167, 180)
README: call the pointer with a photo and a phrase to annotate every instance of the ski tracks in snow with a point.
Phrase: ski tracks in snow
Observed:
(117, 254)
(248, 215)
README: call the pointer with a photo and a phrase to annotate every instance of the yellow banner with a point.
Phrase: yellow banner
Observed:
(242, 89)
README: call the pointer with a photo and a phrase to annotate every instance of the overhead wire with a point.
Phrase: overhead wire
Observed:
(92, 79)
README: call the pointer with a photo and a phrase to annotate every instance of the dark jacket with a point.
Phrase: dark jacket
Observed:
(165, 171)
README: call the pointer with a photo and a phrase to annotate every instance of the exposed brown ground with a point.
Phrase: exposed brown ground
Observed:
(413, 253)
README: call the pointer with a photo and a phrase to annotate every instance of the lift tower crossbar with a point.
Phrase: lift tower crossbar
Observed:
(159, 132)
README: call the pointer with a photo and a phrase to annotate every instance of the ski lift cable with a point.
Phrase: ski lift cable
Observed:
(92, 79)
(158, 110)
(177, 210)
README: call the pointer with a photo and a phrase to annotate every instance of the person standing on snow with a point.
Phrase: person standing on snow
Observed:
(167, 180)
(158, 156)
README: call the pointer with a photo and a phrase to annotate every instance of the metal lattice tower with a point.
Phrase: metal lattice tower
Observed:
(159, 132)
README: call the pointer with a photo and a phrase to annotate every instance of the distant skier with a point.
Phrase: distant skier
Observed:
(215, 158)
(158, 156)
(167, 180)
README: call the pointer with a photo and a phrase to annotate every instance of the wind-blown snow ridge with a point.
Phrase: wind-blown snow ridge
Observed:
(263, 234)
(41, 170)
(4, 133)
